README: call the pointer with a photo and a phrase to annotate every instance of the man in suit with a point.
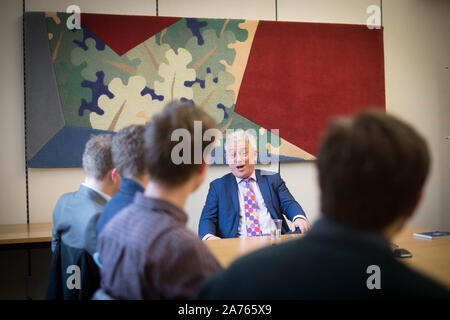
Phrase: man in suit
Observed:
(244, 202)
(128, 157)
(372, 169)
(146, 250)
(75, 216)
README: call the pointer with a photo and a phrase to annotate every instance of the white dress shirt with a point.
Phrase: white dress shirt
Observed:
(265, 219)
(104, 195)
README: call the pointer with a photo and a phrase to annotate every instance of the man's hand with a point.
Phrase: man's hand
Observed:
(213, 238)
(302, 224)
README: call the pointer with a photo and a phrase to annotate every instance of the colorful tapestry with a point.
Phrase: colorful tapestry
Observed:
(119, 70)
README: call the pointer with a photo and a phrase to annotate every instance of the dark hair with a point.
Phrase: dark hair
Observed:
(371, 169)
(128, 151)
(97, 159)
(159, 144)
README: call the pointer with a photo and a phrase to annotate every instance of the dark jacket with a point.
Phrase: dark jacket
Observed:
(61, 281)
(148, 253)
(74, 240)
(220, 215)
(331, 262)
(120, 200)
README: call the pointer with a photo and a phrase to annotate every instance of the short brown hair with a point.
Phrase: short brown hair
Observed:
(97, 159)
(128, 151)
(371, 169)
(159, 145)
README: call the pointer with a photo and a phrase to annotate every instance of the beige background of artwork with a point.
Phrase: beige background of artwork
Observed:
(416, 51)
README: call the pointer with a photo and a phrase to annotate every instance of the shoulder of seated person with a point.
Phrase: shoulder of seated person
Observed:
(268, 173)
(221, 179)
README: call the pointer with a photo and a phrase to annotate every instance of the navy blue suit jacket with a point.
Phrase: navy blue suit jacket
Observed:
(124, 197)
(220, 215)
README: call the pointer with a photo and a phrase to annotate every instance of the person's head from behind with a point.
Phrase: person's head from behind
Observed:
(164, 170)
(128, 153)
(98, 164)
(372, 169)
(241, 153)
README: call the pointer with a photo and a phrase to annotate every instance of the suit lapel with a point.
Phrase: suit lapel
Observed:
(234, 193)
(265, 191)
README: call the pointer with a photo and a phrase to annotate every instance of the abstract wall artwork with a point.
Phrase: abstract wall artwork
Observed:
(118, 70)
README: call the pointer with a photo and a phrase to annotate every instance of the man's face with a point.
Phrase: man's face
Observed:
(241, 159)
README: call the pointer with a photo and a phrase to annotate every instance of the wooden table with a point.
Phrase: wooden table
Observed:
(14, 234)
(431, 257)
(228, 250)
(26, 237)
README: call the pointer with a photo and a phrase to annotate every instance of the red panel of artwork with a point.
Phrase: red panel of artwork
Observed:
(300, 74)
(122, 33)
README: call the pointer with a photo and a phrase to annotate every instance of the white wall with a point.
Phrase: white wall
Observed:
(416, 51)
(417, 48)
(12, 155)
(135, 7)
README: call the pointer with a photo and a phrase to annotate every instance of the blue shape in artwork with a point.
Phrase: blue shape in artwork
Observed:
(152, 93)
(65, 149)
(208, 70)
(191, 83)
(216, 79)
(98, 88)
(99, 45)
(195, 25)
(225, 113)
(184, 100)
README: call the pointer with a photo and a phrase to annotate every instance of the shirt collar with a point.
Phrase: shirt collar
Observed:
(130, 186)
(104, 195)
(253, 176)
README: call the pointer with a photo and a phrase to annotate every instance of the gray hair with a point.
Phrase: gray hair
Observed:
(128, 151)
(97, 158)
(240, 135)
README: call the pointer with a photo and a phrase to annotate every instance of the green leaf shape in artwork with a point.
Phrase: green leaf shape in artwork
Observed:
(68, 77)
(176, 35)
(207, 57)
(125, 108)
(128, 106)
(214, 93)
(232, 25)
(113, 65)
(151, 55)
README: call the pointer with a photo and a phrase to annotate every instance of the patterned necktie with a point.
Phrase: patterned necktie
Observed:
(251, 212)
